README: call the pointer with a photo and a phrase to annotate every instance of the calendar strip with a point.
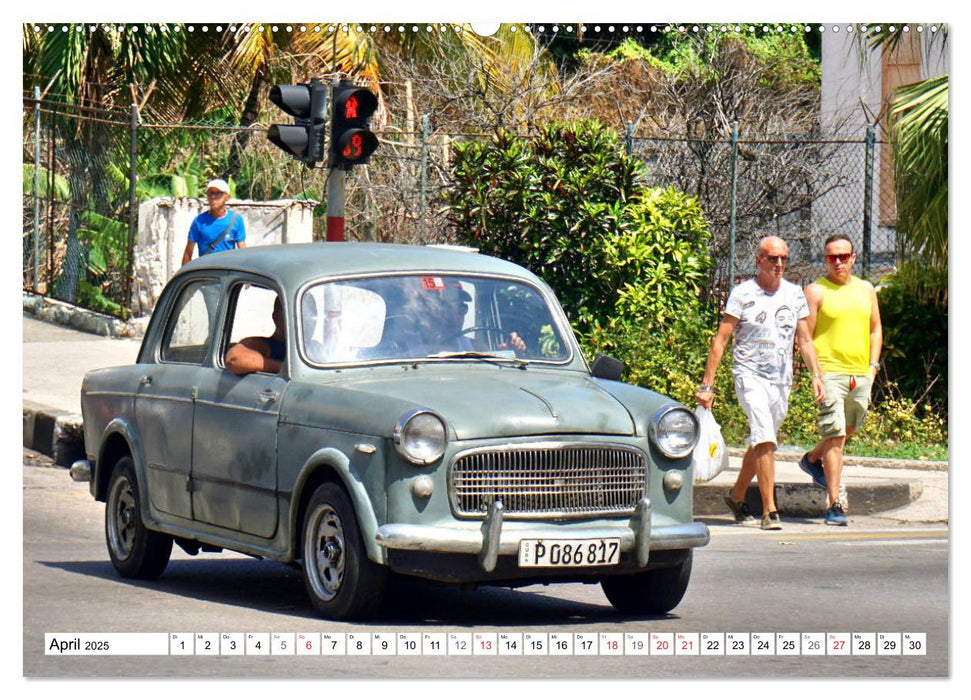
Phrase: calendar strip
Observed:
(487, 644)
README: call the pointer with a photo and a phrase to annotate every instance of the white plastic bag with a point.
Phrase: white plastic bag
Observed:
(710, 456)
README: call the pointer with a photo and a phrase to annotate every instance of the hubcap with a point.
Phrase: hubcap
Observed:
(122, 521)
(324, 552)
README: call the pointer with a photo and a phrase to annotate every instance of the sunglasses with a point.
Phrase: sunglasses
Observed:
(842, 257)
(776, 259)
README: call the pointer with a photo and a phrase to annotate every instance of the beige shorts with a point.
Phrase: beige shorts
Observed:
(846, 403)
(765, 405)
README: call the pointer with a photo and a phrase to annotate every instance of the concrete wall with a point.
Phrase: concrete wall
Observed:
(163, 230)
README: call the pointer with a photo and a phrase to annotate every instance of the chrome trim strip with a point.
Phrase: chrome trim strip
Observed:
(235, 407)
(105, 392)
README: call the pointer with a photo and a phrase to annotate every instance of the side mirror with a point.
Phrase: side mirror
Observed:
(607, 367)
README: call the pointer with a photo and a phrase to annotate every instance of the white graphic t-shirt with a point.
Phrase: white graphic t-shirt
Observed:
(766, 329)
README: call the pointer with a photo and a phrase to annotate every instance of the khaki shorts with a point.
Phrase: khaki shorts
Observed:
(844, 406)
(765, 405)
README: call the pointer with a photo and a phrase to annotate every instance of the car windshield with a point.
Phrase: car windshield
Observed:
(431, 317)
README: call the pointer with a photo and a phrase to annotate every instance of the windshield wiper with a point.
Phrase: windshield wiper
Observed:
(479, 355)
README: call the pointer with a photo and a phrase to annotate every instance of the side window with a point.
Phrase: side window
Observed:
(251, 314)
(187, 336)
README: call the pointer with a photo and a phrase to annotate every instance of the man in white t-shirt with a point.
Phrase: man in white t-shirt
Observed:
(765, 314)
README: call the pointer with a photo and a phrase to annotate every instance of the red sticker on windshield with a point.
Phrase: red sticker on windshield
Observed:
(432, 283)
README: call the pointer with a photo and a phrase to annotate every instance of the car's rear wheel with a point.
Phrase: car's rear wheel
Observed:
(653, 592)
(341, 581)
(135, 551)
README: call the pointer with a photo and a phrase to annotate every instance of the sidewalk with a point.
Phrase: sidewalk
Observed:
(55, 360)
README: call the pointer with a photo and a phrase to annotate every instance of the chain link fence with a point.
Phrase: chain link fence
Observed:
(802, 190)
(86, 171)
(77, 204)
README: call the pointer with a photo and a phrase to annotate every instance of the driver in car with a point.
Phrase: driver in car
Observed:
(453, 306)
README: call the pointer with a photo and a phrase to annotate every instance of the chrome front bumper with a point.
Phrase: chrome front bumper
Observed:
(492, 537)
(81, 470)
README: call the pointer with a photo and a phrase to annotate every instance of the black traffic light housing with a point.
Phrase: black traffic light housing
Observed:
(307, 104)
(351, 140)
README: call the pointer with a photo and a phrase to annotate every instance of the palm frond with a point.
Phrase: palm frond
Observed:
(919, 118)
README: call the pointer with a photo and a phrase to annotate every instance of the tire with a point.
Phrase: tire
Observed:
(135, 551)
(653, 592)
(343, 584)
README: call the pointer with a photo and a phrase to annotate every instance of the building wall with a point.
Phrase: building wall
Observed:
(856, 88)
(163, 231)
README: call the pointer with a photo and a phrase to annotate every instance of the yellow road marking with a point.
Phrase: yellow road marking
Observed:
(930, 534)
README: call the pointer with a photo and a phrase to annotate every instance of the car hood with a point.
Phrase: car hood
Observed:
(499, 403)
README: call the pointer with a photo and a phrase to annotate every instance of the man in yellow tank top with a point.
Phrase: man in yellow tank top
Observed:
(844, 319)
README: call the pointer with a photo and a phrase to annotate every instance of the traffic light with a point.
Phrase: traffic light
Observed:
(307, 103)
(351, 141)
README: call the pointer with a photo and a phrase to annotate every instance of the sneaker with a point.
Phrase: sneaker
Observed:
(772, 521)
(739, 509)
(836, 516)
(814, 469)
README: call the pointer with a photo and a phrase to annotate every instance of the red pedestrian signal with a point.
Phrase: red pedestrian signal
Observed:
(350, 108)
(351, 140)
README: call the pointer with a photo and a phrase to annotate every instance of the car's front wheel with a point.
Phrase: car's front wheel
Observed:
(135, 551)
(341, 581)
(653, 592)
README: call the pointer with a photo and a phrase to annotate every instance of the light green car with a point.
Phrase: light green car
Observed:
(420, 411)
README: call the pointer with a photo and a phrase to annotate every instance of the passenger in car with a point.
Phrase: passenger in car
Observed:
(260, 354)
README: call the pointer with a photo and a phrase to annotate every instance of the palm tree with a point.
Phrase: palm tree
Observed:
(919, 118)
(263, 56)
(95, 67)
(919, 135)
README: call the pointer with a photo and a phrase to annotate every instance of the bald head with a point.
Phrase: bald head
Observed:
(771, 242)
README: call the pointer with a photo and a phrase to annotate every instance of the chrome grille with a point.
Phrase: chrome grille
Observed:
(548, 479)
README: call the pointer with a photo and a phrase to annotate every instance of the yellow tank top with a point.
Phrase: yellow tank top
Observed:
(842, 334)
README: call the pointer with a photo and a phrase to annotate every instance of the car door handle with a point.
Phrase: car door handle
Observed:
(268, 396)
(145, 381)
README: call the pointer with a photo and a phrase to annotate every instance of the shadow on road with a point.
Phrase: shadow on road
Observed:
(273, 587)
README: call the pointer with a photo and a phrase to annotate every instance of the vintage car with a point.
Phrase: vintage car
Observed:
(433, 417)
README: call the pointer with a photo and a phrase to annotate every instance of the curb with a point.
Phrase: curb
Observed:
(79, 319)
(856, 461)
(807, 500)
(58, 435)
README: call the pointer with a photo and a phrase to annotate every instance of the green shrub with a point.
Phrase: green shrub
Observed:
(914, 342)
(671, 361)
(567, 203)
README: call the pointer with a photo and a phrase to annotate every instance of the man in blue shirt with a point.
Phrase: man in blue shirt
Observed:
(217, 229)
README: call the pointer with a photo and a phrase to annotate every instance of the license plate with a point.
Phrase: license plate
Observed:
(604, 551)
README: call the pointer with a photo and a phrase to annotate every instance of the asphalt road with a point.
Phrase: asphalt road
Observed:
(804, 579)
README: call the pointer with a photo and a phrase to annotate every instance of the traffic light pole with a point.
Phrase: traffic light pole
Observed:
(335, 205)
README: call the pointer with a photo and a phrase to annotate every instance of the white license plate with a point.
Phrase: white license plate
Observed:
(604, 551)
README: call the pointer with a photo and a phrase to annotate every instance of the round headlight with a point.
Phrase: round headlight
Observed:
(419, 437)
(675, 431)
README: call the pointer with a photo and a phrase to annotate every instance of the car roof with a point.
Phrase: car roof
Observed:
(294, 264)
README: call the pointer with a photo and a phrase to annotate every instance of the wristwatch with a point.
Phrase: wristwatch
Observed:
(875, 365)
(707, 387)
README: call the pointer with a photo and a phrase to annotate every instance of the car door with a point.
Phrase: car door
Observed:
(234, 438)
(166, 392)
